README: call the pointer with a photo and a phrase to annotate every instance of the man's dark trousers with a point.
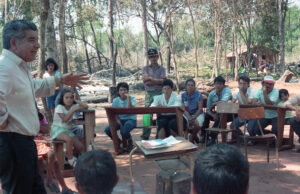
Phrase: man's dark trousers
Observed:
(19, 170)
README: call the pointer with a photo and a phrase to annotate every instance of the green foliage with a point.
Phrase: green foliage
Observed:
(292, 28)
(265, 31)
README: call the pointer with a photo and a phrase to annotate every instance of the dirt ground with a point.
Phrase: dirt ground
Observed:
(264, 178)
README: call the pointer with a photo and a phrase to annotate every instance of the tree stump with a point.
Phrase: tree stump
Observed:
(286, 76)
(113, 93)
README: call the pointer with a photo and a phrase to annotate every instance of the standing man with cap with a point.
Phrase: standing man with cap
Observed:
(266, 95)
(153, 77)
(19, 123)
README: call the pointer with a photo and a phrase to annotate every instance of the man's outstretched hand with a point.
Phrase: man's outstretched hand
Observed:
(72, 79)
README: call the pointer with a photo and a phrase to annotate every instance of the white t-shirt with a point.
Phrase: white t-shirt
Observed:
(46, 74)
(57, 120)
(249, 94)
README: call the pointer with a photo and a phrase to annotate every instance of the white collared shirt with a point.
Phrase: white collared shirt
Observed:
(17, 95)
(175, 100)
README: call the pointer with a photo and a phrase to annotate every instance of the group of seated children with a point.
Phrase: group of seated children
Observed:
(60, 130)
(191, 102)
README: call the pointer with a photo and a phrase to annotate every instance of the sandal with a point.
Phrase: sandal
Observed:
(53, 187)
(68, 191)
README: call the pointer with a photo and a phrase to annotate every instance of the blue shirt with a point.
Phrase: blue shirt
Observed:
(274, 96)
(118, 102)
(191, 103)
(225, 96)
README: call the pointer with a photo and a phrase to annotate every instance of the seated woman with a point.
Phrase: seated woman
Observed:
(166, 122)
(192, 103)
(125, 123)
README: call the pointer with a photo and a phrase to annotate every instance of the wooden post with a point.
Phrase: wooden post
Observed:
(179, 120)
(89, 127)
(113, 129)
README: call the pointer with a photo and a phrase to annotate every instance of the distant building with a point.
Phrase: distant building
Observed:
(260, 55)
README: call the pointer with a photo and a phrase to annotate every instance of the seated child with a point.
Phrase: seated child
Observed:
(61, 127)
(96, 172)
(125, 122)
(166, 122)
(44, 150)
(284, 97)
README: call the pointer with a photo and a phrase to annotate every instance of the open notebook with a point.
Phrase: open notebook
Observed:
(159, 143)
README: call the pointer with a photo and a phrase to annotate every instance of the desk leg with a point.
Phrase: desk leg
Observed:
(280, 126)
(59, 152)
(89, 129)
(113, 129)
(223, 125)
(179, 120)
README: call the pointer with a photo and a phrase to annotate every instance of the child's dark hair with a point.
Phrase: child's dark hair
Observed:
(122, 85)
(49, 61)
(283, 91)
(219, 79)
(168, 82)
(96, 172)
(244, 78)
(63, 92)
(190, 80)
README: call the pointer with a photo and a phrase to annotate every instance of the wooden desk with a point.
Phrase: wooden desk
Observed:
(183, 147)
(165, 184)
(112, 112)
(283, 143)
(88, 122)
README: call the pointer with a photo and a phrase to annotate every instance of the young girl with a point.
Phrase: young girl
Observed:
(125, 123)
(68, 105)
(46, 153)
(51, 70)
(284, 97)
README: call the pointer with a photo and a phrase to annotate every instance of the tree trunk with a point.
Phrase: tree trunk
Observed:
(51, 46)
(168, 36)
(42, 32)
(63, 49)
(235, 51)
(88, 62)
(73, 31)
(111, 41)
(96, 45)
(6, 11)
(195, 40)
(44, 7)
(281, 36)
(144, 23)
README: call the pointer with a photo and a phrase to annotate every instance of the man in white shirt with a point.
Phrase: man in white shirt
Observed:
(19, 121)
(243, 95)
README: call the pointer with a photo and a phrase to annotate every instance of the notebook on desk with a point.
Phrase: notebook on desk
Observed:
(159, 143)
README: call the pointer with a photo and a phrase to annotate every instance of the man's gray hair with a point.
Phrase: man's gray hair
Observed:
(15, 29)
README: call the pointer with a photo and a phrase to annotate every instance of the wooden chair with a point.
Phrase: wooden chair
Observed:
(257, 113)
(223, 108)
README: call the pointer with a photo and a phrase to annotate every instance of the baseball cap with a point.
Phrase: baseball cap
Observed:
(152, 52)
(269, 79)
